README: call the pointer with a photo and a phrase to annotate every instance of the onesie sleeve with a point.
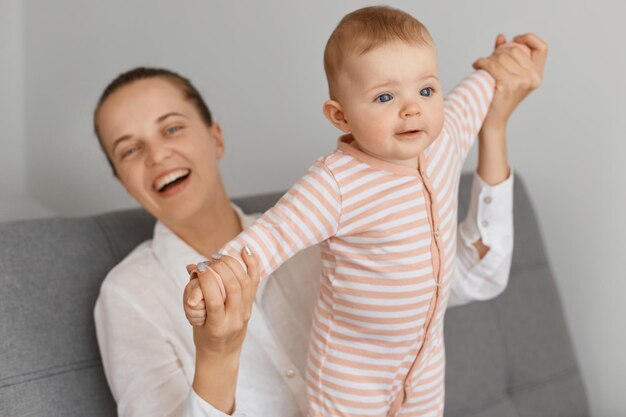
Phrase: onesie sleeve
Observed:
(305, 216)
(465, 108)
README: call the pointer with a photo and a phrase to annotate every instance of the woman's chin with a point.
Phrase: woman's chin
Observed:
(177, 203)
(181, 214)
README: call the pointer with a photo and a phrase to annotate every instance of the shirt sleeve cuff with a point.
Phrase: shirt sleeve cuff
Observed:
(490, 214)
(197, 407)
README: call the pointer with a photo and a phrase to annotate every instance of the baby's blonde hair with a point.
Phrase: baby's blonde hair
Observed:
(365, 29)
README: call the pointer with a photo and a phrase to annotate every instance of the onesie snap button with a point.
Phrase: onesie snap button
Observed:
(290, 373)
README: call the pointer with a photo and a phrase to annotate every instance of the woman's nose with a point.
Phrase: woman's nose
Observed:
(157, 152)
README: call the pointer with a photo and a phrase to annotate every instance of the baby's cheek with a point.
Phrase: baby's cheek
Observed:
(437, 122)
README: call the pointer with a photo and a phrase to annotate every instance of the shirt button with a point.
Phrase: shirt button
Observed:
(485, 223)
(290, 373)
(437, 232)
(487, 200)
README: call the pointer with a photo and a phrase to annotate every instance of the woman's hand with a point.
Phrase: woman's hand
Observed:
(219, 339)
(517, 67)
(517, 71)
(218, 302)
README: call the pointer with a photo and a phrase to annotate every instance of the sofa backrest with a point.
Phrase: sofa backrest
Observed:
(511, 356)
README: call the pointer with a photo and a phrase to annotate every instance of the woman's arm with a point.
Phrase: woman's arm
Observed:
(517, 73)
(149, 363)
(219, 339)
(482, 270)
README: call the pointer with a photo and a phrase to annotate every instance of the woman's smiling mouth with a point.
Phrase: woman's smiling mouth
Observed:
(170, 180)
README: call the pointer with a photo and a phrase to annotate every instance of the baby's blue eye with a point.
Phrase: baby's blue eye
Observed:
(383, 98)
(426, 92)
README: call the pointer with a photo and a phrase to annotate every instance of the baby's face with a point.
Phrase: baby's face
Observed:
(392, 100)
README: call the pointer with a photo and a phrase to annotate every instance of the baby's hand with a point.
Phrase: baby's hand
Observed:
(517, 68)
(193, 300)
(502, 43)
(214, 280)
(524, 57)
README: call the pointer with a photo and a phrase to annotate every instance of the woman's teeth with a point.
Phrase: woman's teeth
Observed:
(170, 178)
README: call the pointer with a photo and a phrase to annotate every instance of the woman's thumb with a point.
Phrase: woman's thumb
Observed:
(500, 40)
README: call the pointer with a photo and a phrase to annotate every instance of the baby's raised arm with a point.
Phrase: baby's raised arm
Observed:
(305, 216)
(518, 70)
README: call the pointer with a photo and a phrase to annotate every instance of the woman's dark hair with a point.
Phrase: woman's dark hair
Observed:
(144, 73)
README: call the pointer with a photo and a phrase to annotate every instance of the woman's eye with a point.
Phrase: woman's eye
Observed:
(172, 130)
(426, 92)
(383, 98)
(129, 151)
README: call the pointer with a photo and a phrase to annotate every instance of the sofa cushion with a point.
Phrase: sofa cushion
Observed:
(50, 273)
(511, 356)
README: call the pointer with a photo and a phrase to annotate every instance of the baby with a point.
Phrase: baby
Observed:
(383, 207)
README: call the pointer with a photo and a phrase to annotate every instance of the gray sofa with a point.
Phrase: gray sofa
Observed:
(511, 356)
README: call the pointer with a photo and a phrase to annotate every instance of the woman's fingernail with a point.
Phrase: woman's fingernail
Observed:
(202, 266)
(216, 256)
(247, 250)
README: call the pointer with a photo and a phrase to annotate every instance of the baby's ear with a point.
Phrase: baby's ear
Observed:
(334, 113)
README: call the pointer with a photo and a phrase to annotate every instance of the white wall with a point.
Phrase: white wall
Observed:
(12, 147)
(15, 203)
(259, 66)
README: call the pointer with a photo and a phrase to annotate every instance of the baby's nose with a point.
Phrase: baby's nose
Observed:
(411, 109)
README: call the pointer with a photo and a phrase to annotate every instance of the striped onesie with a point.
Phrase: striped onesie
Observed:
(388, 239)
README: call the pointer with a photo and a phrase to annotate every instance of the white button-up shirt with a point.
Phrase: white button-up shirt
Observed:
(147, 345)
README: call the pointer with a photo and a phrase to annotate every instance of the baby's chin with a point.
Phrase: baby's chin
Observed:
(401, 158)
(411, 149)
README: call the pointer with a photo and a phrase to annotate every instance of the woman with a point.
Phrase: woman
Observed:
(164, 148)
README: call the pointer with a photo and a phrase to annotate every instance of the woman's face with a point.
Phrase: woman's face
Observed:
(163, 152)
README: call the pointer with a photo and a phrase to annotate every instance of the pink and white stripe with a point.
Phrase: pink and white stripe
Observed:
(388, 237)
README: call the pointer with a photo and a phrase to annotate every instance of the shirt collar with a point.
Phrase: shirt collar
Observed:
(174, 254)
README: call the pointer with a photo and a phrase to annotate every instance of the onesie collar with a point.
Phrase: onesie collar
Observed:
(346, 145)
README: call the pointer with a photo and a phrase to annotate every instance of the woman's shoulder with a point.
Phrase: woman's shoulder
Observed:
(137, 267)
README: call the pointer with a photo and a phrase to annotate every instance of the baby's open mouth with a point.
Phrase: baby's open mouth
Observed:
(170, 180)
